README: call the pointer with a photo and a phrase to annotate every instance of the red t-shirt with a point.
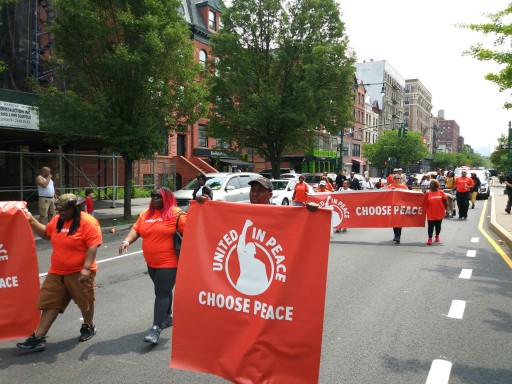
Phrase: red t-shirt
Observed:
(435, 208)
(157, 237)
(300, 192)
(397, 186)
(68, 253)
(89, 207)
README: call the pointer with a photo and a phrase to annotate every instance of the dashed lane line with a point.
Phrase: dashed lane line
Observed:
(475, 239)
(439, 372)
(498, 249)
(457, 309)
(465, 274)
(471, 253)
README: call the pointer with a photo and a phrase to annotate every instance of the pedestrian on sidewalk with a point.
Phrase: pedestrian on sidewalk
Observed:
(508, 186)
(46, 192)
(89, 205)
(157, 225)
(435, 209)
(75, 238)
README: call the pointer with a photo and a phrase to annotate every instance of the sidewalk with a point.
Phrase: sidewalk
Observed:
(501, 221)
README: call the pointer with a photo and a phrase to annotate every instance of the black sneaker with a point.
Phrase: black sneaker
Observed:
(507, 210)
(33, 343)
(87, 332)
(153, 335)
(167, 322)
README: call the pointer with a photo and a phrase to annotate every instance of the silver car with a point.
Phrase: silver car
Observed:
(225, 187)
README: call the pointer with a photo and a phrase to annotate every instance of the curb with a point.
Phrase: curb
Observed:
(502, 233)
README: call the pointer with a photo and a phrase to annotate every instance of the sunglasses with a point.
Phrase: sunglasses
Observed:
(156, 195)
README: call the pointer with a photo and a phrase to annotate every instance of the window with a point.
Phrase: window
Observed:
(202, 57)
(356, 150)
(222, 144)
(212, 20)
(203, 139)
(244, 181)
(233, 182)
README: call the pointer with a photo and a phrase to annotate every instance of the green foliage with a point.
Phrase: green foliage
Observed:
(500, 28)
(130, 76)
(464, 158)
(405, 150)
(284, 72)
(3, 66)
(499, 157)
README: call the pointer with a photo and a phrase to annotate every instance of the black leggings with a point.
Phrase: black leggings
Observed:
(163, 279)
(433, 224)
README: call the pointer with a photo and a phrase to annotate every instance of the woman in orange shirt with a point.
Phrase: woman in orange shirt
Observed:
(156, 226)
(436, 210)
(75, 237)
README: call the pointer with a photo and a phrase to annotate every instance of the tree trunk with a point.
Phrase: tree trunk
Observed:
(128, 171)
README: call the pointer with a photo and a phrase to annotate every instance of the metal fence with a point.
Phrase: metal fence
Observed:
(74, 172)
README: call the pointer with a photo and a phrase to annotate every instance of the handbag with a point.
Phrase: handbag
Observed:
(177, 237)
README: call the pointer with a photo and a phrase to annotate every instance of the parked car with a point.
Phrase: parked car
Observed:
(290, 176)
(268, 172)
(225, 187)
(314, 178)
(283, 191)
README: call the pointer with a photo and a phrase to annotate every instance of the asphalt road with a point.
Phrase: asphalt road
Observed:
(390, 313)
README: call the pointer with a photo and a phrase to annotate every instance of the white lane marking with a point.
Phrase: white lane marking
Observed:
(465, 274)
(471, 253)
(475, 239)
(457, 309)
(104, 260)
(439, 372)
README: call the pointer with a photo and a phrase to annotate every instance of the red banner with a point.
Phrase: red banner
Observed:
(19, 279)
(374, 209)
(250, 292)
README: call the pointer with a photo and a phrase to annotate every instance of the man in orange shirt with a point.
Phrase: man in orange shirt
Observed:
(75, 237)
(300, 193)
(463, 185)
(397, 184)
(322, 186)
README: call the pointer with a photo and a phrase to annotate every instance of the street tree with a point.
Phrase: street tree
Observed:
(403, 150)
(130, 77)
(283, 71)
(500, 28)
(3, 65)
(499, 157)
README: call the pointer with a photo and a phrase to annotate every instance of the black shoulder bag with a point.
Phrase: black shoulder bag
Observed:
(177, 237)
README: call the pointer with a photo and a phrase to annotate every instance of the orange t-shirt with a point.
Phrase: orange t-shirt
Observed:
(329, 186)
(68, 253)
(463, 184)
(157, 237)
(300, 192)
(399, 186)
(389, 179)
(435, 208)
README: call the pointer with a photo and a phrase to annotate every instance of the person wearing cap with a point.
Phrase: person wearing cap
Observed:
(300, 193)
(328, 184)
(367, 184)
(261, 191)
(75, 237)
(463, 185)
(322, 186)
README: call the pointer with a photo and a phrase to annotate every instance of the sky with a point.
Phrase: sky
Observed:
(420, 39)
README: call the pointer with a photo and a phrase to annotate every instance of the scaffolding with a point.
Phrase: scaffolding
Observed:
(26, 44)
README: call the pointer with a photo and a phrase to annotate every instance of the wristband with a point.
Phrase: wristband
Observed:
(125, 241)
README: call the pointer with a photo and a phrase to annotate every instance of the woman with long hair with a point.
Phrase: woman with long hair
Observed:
(75, 237)
(436, 210)
(156, 226)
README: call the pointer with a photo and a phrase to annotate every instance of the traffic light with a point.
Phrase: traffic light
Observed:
(404, 132)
